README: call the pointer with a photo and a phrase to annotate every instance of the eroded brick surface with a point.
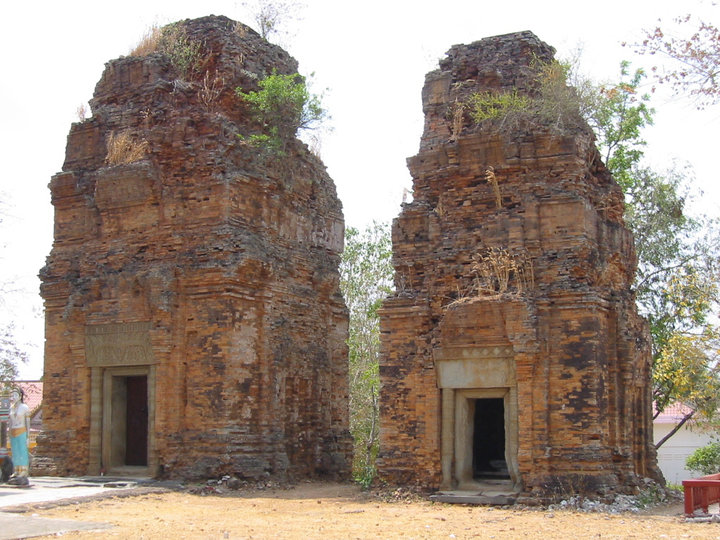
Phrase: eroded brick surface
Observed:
(207, 267)
(579, 368)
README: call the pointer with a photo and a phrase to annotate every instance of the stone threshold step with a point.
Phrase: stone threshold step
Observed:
(489, 499)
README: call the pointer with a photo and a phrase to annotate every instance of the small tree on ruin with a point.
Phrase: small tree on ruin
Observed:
(282, 106)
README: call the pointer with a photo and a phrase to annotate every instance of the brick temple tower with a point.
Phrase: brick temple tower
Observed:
(512, 348)
(194, 321)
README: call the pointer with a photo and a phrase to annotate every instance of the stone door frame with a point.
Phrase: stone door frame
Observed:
(117, 350)
(107, 420)
(464, 374)
(463, 443)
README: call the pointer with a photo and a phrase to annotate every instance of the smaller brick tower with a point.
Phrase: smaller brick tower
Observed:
(194, 321)
(512, 347)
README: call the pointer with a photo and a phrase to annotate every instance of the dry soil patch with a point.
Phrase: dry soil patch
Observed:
(327, 511)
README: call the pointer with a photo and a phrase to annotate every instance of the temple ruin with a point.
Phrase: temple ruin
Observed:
(194, 322)
(512, 348)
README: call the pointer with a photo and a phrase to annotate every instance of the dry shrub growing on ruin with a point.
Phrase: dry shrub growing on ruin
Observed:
(560, 101)
(185, 53)
(492, 180)
(272, 17)
(148, 44)
(457, 113)
(82, 112)
(123, 149)
(496, 270)
(564, 97)
(509, 108)
(314, 142)
(492, 270)
(210, 90)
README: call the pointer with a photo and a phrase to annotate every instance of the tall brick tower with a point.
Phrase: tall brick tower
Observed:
(194, 322)
(512, 348)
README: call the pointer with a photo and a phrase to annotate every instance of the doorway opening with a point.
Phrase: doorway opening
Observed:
(488, 444)
(129, 432)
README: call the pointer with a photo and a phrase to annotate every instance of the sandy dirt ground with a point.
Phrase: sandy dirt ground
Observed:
(330, 511)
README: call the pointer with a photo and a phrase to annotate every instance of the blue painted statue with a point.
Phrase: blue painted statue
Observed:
(19, 424)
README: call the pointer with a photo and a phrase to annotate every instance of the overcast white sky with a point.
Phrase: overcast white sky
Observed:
(371, 56)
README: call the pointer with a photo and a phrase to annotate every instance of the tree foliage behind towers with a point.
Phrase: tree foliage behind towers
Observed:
(678, 255)
(366, 277)
(11, 353)
(689, 51)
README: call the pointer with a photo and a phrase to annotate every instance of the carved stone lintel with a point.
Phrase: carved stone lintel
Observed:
(124, 344)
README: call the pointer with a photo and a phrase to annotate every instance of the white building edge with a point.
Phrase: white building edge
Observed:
(673, 453)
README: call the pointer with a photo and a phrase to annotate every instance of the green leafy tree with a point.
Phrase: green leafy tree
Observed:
(705, 460)
(618, 113)
(676, 281)
(282, 106)
(366, 277)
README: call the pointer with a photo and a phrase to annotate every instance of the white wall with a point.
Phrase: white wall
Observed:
(673, 453)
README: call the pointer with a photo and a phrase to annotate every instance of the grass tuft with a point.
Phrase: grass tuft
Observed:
(149, 43)
(185, 53)
(123, 149)
(492, 180)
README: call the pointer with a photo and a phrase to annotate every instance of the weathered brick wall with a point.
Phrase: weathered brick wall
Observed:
(580, 354)
(229, 255)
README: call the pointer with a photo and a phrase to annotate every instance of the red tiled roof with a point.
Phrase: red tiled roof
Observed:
(33, 394)
(673, 414)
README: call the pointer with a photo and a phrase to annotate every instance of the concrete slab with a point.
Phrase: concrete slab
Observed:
(45, 489)
(49, 490)
(14, 526)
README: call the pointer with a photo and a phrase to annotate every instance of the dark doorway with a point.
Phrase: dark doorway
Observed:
(129, 426)
(136, 446)
(489, 439)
